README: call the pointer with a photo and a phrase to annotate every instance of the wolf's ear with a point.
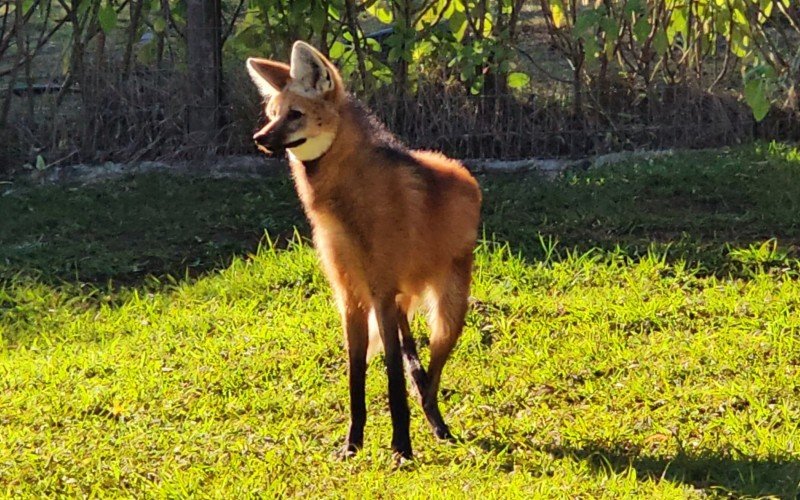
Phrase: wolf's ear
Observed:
(269, 76)
(311, 71)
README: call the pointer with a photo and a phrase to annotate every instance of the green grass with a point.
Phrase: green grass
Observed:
(654, 351)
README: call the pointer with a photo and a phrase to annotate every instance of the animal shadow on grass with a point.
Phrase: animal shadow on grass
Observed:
(735, 476)
(707, 470)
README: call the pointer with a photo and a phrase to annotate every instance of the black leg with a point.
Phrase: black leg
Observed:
(421, 382)
(356, 330)
(398, 402)
(414, 369)
(430, 405)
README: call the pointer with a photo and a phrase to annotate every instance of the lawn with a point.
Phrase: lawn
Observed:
(634, 331)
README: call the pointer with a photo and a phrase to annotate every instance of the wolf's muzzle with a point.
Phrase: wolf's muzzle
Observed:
(271, 142)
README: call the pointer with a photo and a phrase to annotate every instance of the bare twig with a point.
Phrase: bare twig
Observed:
(231, 24)
(544, 71)
(355, 30)
(727, 60)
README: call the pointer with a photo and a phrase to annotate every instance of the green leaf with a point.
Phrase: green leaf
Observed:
(761, 71)
(766, 7)
(373, 44)
(610, 27)
(467, 73)
(422, 49)
(740, 45)
(66, 62)
(458, 25)
(159, 25)
(40, 164)
(678, 23)
(251, 37)
(487, 24)
(83, 6)
(333, 12)
(557, 10)
(722, 23)
(179, 10)
(337, 50)
(740, 18)
(660, 42)
(609, 48)
(146, 53)
(475, 88)
(382, 73)
(451, 6)
(641, 30)
(107, 18)
(395, 54)
(430, 15)
(518, 80)
(756, 96)
(382, 12)
(591, 48)
(632, 6)
(317, 18)
(586, 22)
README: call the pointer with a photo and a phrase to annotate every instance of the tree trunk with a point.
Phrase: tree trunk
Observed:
(204, 57)
(133, 30)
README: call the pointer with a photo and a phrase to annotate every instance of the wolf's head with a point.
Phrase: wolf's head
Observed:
(303, 105)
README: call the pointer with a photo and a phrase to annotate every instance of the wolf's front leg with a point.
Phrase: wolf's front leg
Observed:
(355, 323)
(398, 401)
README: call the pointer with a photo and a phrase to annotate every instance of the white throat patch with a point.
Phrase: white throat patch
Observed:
(313, 148)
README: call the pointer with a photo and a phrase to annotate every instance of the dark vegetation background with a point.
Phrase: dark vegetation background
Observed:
(126, 80)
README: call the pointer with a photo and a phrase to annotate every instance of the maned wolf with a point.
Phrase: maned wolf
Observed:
(394, 229)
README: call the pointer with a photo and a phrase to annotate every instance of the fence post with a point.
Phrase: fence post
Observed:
(204, 58)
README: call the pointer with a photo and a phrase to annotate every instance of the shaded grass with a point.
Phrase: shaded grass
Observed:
(148, 225)
(696, 207)
(604, 368)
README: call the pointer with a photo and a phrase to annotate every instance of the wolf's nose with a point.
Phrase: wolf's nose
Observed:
(263, 138)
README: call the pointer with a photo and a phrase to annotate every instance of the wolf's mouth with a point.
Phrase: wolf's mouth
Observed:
(294, 144)
(276, 150)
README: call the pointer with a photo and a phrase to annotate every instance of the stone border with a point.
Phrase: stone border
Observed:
(259, 166)
(552, 167)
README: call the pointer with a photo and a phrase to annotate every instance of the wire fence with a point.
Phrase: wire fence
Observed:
(144, 116)
(547, 123)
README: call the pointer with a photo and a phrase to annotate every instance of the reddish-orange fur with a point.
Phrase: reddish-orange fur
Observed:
(379, 225)
(393, 228)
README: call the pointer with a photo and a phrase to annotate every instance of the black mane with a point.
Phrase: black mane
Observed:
(381, 137)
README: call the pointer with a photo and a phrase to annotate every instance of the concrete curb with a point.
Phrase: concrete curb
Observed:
(259, 166)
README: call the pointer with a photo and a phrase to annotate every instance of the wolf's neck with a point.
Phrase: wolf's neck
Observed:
(314, 147)
(323, 176)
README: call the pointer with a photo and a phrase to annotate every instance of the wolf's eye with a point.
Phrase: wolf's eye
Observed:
(294, 115)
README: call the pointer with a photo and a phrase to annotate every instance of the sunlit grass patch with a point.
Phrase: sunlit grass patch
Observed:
(593, 373)
(647, 345)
